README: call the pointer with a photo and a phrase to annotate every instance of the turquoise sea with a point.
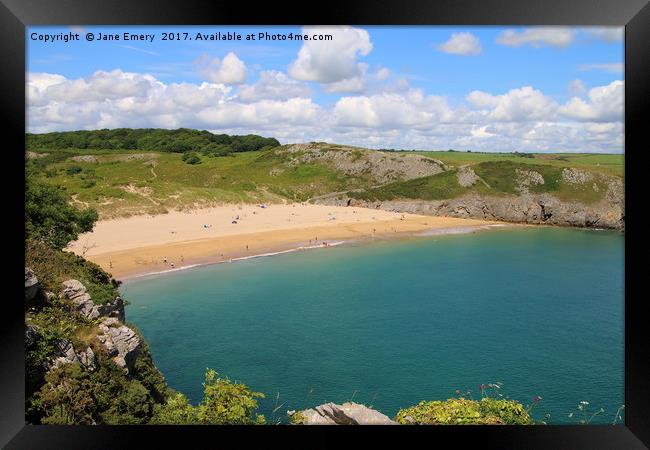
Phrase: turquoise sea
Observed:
(391, 323)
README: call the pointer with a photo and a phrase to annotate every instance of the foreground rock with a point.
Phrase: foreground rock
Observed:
(67, 355)
(32, 286)
(346, 414)
(121, 342)
(74, 290)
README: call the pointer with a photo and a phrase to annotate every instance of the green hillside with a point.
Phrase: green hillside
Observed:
(161, 173)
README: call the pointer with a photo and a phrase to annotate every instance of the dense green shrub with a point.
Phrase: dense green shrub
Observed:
(73, 395)
(191, 158)
(224, 402)
(53, 267)
(461, 411)
(50, 218)
(73, 170)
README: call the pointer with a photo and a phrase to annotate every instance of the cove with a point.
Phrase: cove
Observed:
(391, 323)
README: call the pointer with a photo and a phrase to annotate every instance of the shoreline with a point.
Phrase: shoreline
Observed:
(469, 229)
(149, 245)
(242, 258)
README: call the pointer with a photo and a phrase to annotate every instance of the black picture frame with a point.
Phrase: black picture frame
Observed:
(15, 15)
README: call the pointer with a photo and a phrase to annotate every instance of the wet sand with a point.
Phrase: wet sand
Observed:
(142, 245)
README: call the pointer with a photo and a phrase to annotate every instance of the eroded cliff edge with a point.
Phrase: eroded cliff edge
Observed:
(525, 206)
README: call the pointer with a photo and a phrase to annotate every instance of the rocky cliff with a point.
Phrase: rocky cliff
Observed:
(528, 208)
(118, 341)
(83, 363)
(527, 202)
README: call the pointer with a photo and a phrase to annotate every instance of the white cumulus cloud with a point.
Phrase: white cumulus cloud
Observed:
(604, 104)
(521, 104)
(331, 61)
(410, 109)
(229, 70)
(523, 119)
(273, 84)
(537, 37)
(461, 44)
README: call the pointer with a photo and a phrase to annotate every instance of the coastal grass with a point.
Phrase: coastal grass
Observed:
(54, 267)
(157, 182)
(436, 187)
(610, 164)
(496, 178)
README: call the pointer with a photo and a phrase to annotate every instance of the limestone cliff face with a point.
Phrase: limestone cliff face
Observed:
(526, 208)
(120, 342)
(525, 205)
(76, 292)
(380, 167)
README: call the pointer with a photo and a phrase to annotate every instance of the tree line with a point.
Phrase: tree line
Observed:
(181, 140)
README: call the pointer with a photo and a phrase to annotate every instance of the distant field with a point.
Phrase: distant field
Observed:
(611, 164)
(126, 182)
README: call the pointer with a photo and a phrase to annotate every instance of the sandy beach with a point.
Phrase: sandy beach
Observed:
(142, 245)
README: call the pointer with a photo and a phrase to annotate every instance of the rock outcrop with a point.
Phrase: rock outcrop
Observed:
(527, 179)
(120, 341)
(346, 414)
(526, 208)
(32, 286)
(67, 354)
(466, 176)
(114, 309)
(381, 167)
(74, 290)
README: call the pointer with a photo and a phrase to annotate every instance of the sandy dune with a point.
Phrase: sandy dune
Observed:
(145, 244)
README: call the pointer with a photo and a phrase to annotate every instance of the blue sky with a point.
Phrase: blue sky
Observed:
(479, 88)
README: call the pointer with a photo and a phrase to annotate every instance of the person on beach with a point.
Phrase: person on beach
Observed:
(165, 259)
(172, 264)
(110, 264)
(246, 247)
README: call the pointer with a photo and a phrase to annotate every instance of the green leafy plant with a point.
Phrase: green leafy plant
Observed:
(224, 402)
(50, 218)
(461, 411)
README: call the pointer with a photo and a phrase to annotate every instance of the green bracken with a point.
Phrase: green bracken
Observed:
(224, 402)
(461, 411)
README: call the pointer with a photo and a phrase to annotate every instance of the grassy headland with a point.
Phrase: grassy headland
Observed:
(126, 172)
